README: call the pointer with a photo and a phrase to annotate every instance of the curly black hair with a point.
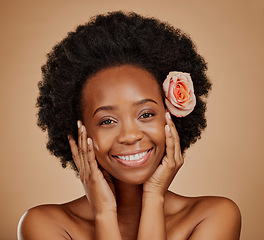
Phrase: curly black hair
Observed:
(114, 39)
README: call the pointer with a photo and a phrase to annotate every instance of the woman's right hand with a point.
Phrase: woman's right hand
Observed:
(98, 185)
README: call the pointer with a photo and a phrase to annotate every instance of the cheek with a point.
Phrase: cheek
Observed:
(102, 144)
(160, 136)
(156, 133)
(160, 139)
(100, 137)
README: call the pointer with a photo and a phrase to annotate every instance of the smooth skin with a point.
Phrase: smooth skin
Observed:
(123, 114)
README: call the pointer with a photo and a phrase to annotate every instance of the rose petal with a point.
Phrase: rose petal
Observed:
(178, 105)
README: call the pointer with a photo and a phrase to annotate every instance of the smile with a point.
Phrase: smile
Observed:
(133, 160)
(133, 157)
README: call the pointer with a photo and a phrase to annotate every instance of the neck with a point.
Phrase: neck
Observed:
(129, 204)
(129, 200)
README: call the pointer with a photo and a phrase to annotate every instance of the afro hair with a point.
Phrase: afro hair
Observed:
(113, 39)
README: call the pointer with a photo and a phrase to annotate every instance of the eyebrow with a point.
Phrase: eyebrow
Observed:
(144, 101)
(109, 107)
(106, 108)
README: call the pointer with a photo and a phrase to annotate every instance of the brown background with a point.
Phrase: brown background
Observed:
(227, 161)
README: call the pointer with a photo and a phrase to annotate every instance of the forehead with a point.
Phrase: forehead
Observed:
(122, 83)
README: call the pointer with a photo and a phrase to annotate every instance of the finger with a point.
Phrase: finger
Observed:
(75, 152)
(107, 176)
(170, 146)
(177, 153)
(84, 150)
(91, 157)
(80, 130)
(109, 180)
(175, 135)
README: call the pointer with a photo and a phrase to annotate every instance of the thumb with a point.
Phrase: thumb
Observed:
(109, 180)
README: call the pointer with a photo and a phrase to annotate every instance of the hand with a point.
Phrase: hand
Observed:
(98, 186)
(161, 179)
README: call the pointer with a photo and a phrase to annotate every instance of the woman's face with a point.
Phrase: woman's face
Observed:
(124, 115)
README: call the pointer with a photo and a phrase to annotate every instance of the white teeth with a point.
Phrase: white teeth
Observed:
(133, 157)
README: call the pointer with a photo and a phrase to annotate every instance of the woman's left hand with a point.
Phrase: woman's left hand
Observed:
(161, 179)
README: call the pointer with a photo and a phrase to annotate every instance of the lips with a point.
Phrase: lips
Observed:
(133, 160)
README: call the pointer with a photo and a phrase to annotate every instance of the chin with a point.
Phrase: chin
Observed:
(135, 178)
(137, 182)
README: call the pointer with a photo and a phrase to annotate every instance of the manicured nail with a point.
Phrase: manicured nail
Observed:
(82, 128)
(168, 115)
(167, 127)
(89, 141)
(70, 137)
(79, 123)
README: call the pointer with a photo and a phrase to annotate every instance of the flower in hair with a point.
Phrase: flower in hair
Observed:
(179, 92)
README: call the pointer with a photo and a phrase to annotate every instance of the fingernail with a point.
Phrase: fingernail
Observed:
(168, 115)
(88, 141)
(82, 128)
(167, 127)
(79, 123)
(69, 137)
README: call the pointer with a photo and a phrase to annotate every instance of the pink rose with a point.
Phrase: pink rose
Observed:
(180, 99)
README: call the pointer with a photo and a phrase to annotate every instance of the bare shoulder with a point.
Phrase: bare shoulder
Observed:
(221, 219)
(219, 206)
(206, 217)
(56, 221)
(42, 222)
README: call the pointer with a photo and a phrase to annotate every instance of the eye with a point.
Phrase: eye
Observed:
(107, 122)
(147, 115)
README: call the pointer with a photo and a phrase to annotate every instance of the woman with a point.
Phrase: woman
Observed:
(112, 93)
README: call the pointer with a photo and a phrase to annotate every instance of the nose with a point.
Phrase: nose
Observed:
(129, 133)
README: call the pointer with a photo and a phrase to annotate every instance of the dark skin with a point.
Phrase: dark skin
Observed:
(124, 117)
